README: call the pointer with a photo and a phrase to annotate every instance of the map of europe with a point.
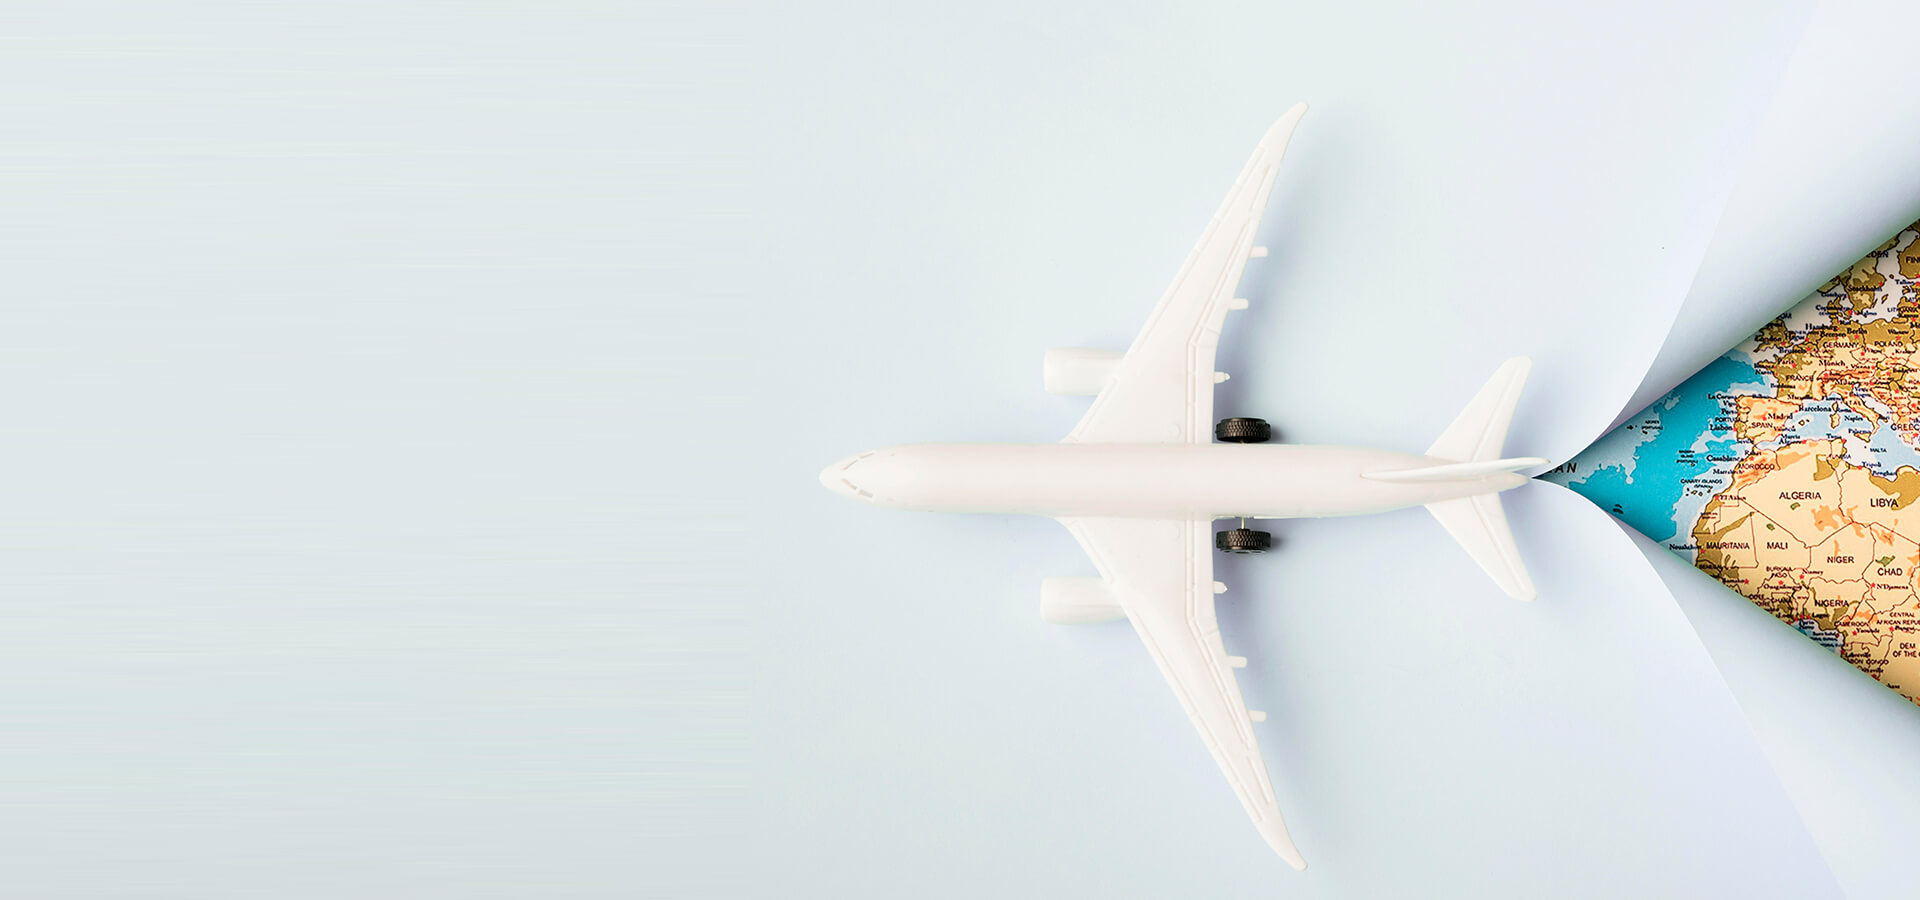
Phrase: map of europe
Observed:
(1789, 468)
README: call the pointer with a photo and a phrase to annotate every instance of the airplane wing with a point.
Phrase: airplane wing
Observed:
(1161, 572)
(1162, 390)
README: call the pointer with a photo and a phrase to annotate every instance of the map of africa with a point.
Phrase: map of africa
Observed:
(1789, 468)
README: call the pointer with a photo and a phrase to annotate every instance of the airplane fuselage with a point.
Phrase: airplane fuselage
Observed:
(1170, 481)
(1139, 478)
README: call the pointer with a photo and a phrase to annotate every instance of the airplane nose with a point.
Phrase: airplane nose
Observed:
(834, 477)
(830, 478)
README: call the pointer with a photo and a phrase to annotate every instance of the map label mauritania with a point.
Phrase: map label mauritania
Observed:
(1790, 467)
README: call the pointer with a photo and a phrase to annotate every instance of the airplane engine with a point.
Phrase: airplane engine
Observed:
(1078, 601)
(1077, 371)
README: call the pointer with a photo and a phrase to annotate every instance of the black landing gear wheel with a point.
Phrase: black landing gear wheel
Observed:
(1243, 431)
(1243, 540)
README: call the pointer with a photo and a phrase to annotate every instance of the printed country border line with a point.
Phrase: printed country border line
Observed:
(1817, 358)
(1868, 586)
(1812, 547)
(1808, 578)
(1848, 520)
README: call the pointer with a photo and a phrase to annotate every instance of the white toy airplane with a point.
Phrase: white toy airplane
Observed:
(1140, 481)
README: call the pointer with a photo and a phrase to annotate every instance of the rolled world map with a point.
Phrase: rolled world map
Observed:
(1789, 468)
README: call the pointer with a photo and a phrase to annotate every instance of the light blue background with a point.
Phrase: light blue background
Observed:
(415, 412)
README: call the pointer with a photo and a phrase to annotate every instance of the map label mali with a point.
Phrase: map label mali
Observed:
(1790, 468)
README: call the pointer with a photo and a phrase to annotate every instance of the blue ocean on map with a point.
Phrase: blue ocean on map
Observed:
(1665, 460)
(1828, 638)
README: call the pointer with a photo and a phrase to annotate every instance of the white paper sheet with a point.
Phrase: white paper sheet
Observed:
(1843, 745)
(1834, 170)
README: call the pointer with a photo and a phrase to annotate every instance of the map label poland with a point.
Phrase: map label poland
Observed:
(1789, 469)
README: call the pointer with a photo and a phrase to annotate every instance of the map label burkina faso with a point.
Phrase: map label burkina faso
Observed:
(1790, 467)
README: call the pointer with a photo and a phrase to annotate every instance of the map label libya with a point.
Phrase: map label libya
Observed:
(1790, 467)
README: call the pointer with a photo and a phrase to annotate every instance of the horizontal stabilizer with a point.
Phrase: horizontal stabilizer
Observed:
(1480, 525)
(1465, 471)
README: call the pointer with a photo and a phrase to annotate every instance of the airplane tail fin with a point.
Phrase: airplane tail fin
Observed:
(1474, 440)
(1481, 428)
